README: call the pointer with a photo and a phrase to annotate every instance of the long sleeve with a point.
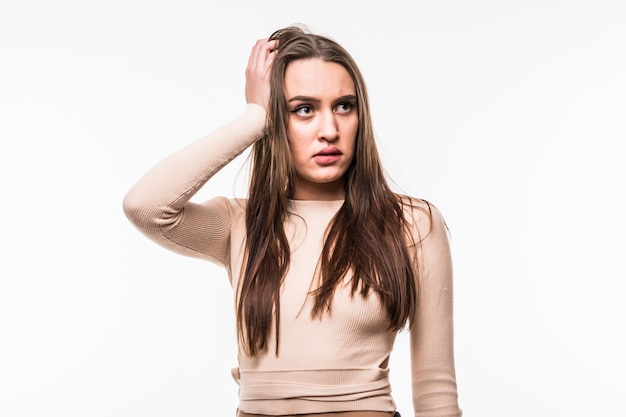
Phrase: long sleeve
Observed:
(432, 350)
(158, 204)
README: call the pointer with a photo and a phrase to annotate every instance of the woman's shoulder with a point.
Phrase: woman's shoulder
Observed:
(416, 208)
(421, 215)
(235, 206)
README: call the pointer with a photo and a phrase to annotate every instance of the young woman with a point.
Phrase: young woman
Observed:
(326, 262)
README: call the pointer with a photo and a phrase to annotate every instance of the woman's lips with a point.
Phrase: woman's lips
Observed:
(327, 156)
(326, 159)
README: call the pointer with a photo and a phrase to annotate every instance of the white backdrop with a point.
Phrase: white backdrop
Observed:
(508, 115)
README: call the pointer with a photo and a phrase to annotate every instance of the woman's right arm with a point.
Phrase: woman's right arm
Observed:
(159, 203)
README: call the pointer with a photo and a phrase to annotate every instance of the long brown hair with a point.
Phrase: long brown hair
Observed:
(368, 237)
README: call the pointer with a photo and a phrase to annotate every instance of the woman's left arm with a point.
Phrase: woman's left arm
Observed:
(432, 348)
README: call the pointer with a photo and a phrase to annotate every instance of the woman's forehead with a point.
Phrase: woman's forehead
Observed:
(317, 78)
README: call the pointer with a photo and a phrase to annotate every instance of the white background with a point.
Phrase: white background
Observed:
(508, 115)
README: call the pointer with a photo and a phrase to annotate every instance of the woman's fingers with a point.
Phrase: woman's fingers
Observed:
(260, 52)
(258, 71)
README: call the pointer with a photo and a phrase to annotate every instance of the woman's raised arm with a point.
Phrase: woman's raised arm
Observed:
(159, 203)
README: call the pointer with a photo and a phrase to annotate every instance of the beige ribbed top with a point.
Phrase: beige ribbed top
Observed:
(338, 363)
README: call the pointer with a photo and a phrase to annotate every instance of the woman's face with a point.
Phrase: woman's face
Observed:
(322, 127)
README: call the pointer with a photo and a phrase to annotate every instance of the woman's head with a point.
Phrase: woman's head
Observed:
(296, 46)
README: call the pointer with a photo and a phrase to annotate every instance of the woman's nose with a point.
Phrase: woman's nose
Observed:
(328, 129)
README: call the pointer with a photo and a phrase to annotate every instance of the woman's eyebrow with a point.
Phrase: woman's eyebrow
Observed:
(303, 98)
(348, 97)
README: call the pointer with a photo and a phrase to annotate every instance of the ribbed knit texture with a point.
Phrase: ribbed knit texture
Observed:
(338, 363)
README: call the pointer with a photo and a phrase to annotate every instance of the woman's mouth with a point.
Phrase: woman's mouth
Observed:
(327, 156)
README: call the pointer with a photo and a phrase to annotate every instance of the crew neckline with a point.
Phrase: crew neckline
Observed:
(320, 204)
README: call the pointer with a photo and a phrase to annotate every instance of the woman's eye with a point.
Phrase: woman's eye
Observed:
(345, 107)
(303, 110)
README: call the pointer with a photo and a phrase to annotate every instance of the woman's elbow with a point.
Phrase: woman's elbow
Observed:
(134, 208)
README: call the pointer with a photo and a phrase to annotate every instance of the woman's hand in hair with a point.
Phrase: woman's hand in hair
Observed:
(258, 72)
